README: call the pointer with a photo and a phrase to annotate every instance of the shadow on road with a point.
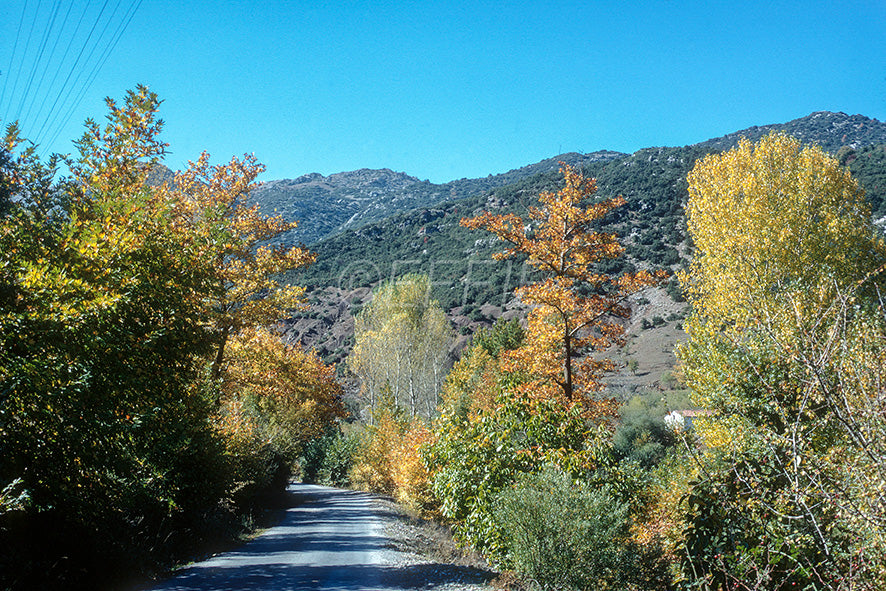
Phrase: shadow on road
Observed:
(328, 539)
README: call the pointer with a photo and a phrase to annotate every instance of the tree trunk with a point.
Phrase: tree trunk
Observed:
(220, 354)
(567, 364)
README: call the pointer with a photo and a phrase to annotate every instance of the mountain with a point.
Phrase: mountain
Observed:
(325, 205)
(474, 289)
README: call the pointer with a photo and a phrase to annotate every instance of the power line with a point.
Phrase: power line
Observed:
(49, 60)
(37, 68)
(24, 55)
(103, 58)
(55, 76)
(46, 33)
(21, 22)
(74, 68)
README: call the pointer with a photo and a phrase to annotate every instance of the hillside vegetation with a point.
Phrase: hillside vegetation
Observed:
(326, 205)
(474, 289)
(773, 481)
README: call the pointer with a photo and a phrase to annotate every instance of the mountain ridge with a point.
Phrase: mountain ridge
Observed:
(327, 205)
(819, 127)
(474, 290)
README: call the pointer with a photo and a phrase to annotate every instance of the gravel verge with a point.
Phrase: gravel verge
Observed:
(424, 556)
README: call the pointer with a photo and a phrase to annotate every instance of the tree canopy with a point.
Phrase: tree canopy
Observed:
(786, 348)
(576, 306)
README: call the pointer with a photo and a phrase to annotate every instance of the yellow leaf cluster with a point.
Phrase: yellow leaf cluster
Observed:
(290, 395)
(779, 229)
(402, 346)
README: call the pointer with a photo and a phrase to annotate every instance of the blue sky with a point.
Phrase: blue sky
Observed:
(442, 90)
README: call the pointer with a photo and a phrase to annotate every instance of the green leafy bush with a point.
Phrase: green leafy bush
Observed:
(642, 438)
(339, 458)
(472, 461)
(568, 535)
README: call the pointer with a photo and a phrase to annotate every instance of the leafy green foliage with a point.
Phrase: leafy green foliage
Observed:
(563, 534)
(471, 462)
(101, 418)
(503, 336)
(339, 458)
(643, 439)
(106, 315)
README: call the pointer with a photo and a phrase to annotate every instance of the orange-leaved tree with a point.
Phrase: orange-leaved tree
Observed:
(275, 397)
(576, 307)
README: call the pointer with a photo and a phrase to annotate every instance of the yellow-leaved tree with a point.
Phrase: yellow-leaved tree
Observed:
(212, 209)
(786, 346)
(276, 395)
(401, 346)
(779, 230)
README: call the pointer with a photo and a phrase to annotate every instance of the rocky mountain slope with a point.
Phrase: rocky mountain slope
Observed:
(475, 290)
(326, 205)
(829, 130)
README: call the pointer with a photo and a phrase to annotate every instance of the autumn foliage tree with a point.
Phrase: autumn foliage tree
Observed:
(520, 400)
(786, 347)
(576, 307)
(401, 346)
(115, 299)
(210, 206)
(103, 430)
(275, 398)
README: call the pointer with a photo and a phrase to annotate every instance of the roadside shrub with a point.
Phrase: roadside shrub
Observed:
(412, 485)
(335, 469)
(391, 463)
(372, 466)
(642, 438)
(562, 534)
(314, 452)
(472, 461)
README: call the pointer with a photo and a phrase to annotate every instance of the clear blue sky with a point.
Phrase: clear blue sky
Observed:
(443, 90)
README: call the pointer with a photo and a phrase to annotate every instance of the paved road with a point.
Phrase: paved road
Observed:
(330, 540)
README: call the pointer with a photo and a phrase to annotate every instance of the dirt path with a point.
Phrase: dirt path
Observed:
(331, 540)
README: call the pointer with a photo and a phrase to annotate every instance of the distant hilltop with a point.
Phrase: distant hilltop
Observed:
(327, 205)
(829, 130)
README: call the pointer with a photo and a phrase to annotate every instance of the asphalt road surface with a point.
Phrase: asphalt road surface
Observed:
(331, 540)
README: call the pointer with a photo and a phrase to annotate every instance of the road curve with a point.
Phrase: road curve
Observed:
(331, 540)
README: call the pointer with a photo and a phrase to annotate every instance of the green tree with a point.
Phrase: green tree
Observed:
(116, 302)
(401, 346)
(489, 434)
(101, 417)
